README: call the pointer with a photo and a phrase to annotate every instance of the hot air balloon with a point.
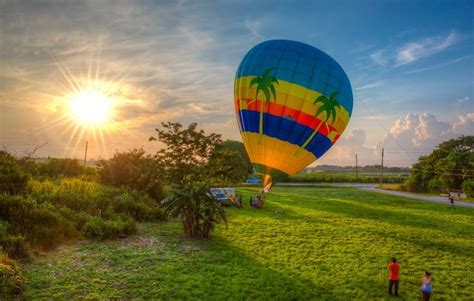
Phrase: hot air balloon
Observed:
(292, 102)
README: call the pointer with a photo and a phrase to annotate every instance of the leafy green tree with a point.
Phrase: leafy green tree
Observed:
(264, 83)
(186, 154)
(238, 147)
(227, 167)
(328, 106)
(192, 163)
(135, 170)
(447, 167)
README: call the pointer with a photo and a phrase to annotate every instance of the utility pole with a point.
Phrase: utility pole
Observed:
(85, 154)
(357, 168)
(381, 170)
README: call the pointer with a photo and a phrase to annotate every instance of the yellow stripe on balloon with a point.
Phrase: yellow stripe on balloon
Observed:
(276, 153)
(291, 95)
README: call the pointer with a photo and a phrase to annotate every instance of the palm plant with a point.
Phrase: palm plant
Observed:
(328, 106)
(198, 209)
(265, 83)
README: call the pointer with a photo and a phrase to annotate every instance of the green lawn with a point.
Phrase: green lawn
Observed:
(313, 243)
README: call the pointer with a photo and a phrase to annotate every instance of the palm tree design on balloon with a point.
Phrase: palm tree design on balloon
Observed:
(265, 83)
(329, 105)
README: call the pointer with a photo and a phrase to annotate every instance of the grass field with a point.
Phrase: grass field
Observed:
(313, 243)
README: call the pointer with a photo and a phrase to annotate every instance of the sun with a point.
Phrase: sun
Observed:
(91, 108)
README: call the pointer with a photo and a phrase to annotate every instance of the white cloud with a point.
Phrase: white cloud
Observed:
(409, 137)
(465, 125)
(370, 85)
(420, 134)
(463, 100)
(345, 149)
(413, 51)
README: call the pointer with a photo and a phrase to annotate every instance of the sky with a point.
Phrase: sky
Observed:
(410, 63)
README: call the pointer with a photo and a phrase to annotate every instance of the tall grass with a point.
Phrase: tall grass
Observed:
(53, 211)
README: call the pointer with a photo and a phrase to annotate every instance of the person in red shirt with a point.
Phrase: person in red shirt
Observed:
(393, 275)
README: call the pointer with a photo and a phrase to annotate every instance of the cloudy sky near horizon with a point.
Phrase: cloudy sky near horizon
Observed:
(411, 65)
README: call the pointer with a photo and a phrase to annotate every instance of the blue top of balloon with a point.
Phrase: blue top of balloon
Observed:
(301, 64)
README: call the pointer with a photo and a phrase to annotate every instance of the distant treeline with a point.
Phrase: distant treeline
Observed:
(324, 177)
(362, 169)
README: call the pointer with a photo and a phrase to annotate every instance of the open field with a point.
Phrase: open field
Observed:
(346, 177)
(326, 243)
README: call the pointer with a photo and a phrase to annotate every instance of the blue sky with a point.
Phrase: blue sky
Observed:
(410, 64)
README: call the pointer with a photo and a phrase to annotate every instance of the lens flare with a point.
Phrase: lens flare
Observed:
(91, 107)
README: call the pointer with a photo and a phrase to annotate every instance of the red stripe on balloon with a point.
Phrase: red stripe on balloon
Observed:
(290, 113)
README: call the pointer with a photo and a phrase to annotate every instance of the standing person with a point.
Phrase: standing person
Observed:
(426, 287)
(451, 199)
(393, 275)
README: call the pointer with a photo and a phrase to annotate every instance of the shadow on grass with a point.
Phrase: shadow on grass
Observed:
(447, 229)
(174, 269)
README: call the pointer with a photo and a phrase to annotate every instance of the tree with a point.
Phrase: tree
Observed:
(264, 83)
(328, 106)
(227, 167)
(135, 170)
(187, 153)
(447, 167)
(192, 162)
(239, 148)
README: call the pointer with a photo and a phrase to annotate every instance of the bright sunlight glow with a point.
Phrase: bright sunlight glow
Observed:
(91, 107)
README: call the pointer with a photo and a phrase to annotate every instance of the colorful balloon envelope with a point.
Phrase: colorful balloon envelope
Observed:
(292, 101)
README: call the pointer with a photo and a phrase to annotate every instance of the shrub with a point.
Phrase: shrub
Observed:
(134, 170)
(59, 168)
(468, 187)
(15, 246)
(13, 179)
(98, 228)
(141, 208)
(11, 282)
(63, 209)
(198, 209)
(40, 224)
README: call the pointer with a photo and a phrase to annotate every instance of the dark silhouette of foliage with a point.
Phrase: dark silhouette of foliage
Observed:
(135, 170)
